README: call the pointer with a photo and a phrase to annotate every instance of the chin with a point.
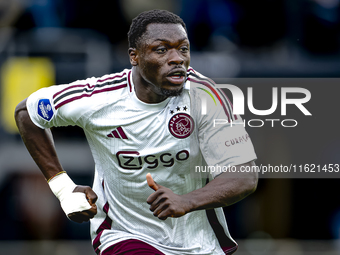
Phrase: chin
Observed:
(171, 93)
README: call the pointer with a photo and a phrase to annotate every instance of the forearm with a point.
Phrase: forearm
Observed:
(39, 142)
(78, 202)
(226, 189)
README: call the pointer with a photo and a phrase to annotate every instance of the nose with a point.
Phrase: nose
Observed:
(175, 57)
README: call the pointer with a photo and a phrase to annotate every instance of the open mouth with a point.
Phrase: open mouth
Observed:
(176, 77)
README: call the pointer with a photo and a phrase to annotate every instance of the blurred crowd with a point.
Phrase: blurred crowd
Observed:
(311, 24)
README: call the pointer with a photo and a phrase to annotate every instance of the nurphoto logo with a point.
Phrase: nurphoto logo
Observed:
(276, 101)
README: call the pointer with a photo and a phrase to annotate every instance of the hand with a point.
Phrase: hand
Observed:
(164, 203)
(86, 215)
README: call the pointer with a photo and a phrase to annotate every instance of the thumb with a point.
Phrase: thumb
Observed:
(91, 196)
(152, 184)
(89, 193)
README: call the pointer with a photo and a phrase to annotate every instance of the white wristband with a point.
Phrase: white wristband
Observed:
(62, 187)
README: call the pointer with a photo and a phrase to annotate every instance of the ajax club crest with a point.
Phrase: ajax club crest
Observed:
(181, 125)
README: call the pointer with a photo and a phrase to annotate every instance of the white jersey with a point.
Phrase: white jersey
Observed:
(129, 138)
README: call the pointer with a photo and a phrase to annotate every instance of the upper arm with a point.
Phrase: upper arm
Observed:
(20, 107)
(21, 116)
(223, 143)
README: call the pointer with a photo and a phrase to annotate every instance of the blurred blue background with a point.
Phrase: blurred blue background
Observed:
(45, 42)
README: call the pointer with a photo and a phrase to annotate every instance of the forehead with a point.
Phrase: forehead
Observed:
(169, 32)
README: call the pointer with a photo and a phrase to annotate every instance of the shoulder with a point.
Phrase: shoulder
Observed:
(94, 89)
(197, 78)
(201, 87)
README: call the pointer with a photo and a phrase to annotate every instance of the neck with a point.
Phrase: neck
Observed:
(144, 90)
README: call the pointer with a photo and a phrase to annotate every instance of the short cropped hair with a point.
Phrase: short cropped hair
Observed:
(139, 24)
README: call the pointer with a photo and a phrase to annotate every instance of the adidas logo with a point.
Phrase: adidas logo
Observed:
(117, 133)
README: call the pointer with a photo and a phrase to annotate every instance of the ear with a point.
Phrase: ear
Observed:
(133, 54)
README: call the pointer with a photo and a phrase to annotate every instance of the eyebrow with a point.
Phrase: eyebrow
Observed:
(165, 40)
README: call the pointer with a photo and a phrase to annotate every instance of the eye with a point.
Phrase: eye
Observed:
(161, 50)
(184, 49)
